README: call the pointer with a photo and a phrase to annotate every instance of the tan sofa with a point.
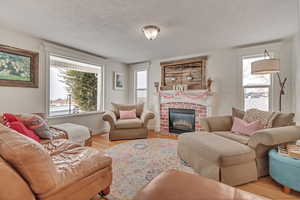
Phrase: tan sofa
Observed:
(128, 128)
(229, 157)
(53, 171)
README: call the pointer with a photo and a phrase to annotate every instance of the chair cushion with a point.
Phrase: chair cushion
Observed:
(57, 146)
(77, 163)
(12, 185)
(129, 123)
(243, 139)
(117, 107)
(29, 158)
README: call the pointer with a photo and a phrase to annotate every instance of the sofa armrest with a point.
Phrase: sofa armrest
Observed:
(146, 116)
(220, 123)
(275, 136)
(111, 118)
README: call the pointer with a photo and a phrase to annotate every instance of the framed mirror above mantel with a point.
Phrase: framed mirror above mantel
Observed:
(190, 73)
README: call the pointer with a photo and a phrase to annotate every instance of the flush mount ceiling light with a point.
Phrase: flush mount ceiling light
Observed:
(151, 31)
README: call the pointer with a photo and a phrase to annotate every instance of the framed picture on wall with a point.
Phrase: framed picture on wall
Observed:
(18, 67)
(118, 81)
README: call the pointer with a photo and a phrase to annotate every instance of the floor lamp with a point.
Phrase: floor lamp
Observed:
(269, 66)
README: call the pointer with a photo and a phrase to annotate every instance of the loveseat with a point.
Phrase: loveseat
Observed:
(229, 157)
(122, 129)
(53, 171)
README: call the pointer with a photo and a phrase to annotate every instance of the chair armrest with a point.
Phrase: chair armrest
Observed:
(111, 118)
(220, 123)
(146, 116)
(274, 136)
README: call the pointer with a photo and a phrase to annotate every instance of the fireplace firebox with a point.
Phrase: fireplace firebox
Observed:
(181, 120)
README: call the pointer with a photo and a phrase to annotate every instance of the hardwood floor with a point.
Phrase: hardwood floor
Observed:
(264, 186)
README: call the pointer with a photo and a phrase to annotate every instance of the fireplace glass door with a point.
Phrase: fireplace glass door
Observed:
(181, 120)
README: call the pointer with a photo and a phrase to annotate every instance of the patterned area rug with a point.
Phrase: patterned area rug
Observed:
(137, 162)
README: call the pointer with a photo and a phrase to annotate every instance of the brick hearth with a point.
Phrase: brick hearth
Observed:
(200, 112)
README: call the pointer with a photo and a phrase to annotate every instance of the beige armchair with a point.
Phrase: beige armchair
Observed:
(128, 128)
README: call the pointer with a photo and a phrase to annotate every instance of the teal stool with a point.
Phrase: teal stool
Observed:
(285, 170)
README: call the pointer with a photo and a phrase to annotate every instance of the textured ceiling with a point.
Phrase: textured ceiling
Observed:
(112, 28)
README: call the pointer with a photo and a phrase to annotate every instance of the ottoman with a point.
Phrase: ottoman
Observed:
(285, 170)
(176, 185)
(75, 133)
(218, 158)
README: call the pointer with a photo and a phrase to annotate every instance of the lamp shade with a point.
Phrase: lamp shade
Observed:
(266, 66)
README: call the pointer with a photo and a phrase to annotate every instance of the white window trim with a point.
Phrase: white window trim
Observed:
(257, 50)
(134, 69)
(135, 85)
(68, 53)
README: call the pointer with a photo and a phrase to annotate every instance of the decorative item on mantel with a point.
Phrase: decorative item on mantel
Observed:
(156, 85)
(190, 72)
(209, 84)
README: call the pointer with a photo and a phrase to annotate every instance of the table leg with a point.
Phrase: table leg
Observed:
(286, 190)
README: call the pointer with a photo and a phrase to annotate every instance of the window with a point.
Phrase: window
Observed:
(141, 87)
(256, 88)
(75, 87)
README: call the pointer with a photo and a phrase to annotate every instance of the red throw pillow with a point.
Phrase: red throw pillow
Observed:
(7, 117)
(21, 128)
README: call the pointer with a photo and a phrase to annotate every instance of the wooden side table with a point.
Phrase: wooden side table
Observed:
(285, 170)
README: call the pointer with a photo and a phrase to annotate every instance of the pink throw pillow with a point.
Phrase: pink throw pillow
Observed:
(128, 114)
(242, 127)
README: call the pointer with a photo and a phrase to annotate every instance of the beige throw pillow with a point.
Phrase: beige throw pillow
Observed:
(266, 118)
(284, 119)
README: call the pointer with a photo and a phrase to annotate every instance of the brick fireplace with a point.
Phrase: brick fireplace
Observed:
(200, 112)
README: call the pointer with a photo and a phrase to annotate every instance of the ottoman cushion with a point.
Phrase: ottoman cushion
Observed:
(211, 146)
(176, 185)
(206, 153)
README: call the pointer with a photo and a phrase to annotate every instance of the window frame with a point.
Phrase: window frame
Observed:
(51, 49)
(270, 86)
(144, 89)
(250, 51)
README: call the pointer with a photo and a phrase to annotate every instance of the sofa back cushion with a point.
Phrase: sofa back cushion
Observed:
(29, 158)
(284, 119)
(126, 107)
(12, 185)
(237, 113)
(220, 123)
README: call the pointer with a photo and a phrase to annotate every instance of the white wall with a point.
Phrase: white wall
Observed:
(296, 70)
(28, 100)
(225, 69)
